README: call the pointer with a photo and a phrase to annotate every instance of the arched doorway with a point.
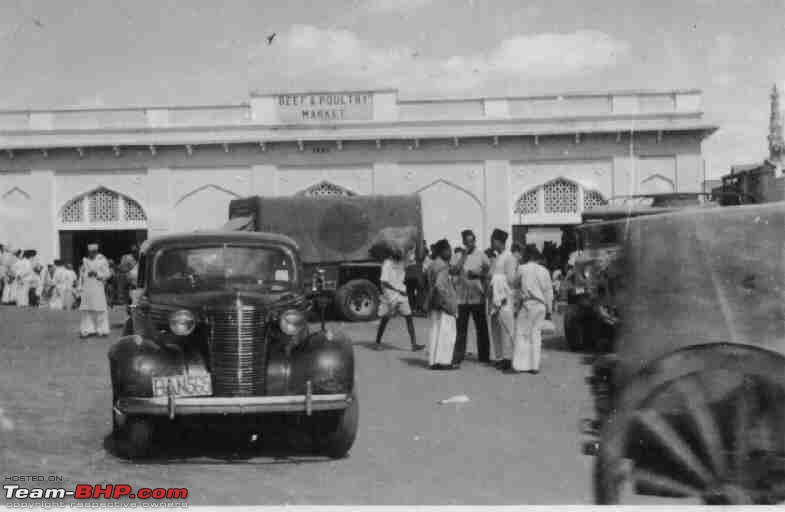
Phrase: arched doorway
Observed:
(114, 221)
(448, 209)
(544, 215)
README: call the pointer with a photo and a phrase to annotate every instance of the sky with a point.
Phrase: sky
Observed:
(59, 53)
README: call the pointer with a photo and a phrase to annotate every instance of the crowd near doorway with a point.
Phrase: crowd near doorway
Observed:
(113, 220)
(112, 243)
(555, 243)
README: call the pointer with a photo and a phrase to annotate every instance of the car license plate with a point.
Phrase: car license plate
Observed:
(580, 290)
(183, 385)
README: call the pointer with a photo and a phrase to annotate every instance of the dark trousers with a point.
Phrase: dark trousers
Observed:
(477, 312)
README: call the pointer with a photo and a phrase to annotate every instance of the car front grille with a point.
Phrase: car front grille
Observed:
(238, 350)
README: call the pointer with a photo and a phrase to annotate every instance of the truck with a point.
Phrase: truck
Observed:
(334, 236)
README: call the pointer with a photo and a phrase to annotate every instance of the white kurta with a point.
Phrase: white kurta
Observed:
(93, 291)
(23, 269)
(9, 288)
(95, 318)
(504, 288)
(62, 291)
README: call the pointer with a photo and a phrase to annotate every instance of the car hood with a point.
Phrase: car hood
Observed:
(224, 298)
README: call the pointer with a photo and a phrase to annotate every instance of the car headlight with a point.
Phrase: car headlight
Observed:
(182, 322)
(292, 322)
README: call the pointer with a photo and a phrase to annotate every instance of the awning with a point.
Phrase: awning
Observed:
(237, 224)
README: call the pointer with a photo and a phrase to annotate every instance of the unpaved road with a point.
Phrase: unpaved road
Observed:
(516, 441)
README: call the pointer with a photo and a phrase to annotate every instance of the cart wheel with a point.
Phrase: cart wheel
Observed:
(714, 433)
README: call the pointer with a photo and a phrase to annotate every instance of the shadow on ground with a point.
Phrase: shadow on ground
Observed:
(205, 447)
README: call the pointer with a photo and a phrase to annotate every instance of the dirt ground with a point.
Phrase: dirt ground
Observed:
(516, 442)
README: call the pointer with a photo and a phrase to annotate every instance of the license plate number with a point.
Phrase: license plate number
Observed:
(580, 290)
(183, 385)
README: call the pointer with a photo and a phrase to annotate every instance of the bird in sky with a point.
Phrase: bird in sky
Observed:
(38, 23)
(271, 37)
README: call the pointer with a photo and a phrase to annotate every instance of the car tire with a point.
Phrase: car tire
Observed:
(133, 439)
(358, 300)
(338, 430)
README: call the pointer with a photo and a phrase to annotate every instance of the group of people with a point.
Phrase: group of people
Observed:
(27, 283)
(505, 290)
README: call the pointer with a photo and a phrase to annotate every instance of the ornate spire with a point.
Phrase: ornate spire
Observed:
(776, 142)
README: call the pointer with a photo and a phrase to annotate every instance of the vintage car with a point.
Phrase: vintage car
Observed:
(218, 333)
(691, 402)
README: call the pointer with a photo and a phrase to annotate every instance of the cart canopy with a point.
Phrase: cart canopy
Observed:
(701, 276)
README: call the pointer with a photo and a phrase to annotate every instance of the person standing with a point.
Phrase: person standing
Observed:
(394, 299)
(503, 290)
(441, 303)
(471, 269)
(93, 276)
(23, 270)
(536, 302)
(127, 263)
(70, 294)
(9, 290)
(61, 286)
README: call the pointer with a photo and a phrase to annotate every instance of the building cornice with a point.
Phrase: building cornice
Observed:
(365, 131)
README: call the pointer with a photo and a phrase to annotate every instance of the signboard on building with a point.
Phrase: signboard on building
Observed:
(325, 107)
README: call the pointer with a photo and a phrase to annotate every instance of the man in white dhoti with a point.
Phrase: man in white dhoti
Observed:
(62, 286)
(536, 303)
(503, 313)
(441, 303)
(93, 275)
(9, 290)
(23, 270)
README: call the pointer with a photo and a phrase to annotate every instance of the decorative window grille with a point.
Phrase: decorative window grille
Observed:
(527, 203)
(561, 196)
(104, 206)
(326, 188)
(133, 212)
(73, 211)
(592, 199)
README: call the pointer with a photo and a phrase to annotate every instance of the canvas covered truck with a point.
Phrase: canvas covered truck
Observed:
(334, 236)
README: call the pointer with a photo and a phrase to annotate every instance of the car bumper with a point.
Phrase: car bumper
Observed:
(172, 406)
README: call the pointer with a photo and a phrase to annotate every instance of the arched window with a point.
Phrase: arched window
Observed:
(325, 188)
(527, 203)
(561, 196)
(102, 207)
(592, 199)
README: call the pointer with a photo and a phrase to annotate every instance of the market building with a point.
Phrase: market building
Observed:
(526, 164)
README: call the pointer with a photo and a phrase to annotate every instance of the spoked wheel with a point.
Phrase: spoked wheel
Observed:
(715, 435)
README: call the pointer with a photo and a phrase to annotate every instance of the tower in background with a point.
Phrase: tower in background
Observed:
(776, 142)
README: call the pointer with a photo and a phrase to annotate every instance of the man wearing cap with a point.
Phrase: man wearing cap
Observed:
(471, 270)
(93, 275)
(503, 286)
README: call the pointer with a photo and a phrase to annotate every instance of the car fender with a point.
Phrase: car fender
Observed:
(326, 359)
(134, 361)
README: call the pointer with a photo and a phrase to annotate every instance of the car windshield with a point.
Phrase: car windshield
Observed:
(216, 268)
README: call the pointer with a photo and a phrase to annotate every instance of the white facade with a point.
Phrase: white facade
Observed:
(476, 163)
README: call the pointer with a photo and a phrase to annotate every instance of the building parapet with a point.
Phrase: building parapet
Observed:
(347, 108)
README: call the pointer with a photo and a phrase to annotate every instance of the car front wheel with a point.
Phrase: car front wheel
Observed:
(337, 430)
(133, 437)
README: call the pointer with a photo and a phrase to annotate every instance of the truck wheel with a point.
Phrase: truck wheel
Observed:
(338, 430)
(358, 300)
